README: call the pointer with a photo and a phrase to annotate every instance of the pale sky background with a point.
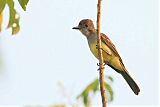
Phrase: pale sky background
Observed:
(47, 51)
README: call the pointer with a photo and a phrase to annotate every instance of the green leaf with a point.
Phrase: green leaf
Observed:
(15, 27)
(110, 78)
(2, 5)
(95, 85)
(59, 105)
(109, 90)
(92, 87)
(1, 16)
(12, 13)
(86, 99)
(23, 4)
(13, 18)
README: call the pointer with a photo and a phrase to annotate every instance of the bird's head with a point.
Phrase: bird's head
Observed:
(86, 27)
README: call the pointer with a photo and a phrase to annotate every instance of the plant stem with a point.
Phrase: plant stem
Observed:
(101, 64)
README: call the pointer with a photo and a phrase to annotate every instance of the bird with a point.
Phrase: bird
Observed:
(110, 54)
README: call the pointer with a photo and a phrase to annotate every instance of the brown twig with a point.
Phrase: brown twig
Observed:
(101, 65)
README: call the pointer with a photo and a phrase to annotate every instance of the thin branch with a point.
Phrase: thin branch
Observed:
(101, 64)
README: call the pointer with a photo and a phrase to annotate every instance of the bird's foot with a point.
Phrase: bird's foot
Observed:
(100, 68)
(98, 64)
(97, 47)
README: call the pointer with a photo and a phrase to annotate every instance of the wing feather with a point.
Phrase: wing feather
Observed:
(109, 43)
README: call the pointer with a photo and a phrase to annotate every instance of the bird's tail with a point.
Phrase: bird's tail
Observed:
(131, 82)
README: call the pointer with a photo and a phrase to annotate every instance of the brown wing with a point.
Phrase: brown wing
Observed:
(109, 43)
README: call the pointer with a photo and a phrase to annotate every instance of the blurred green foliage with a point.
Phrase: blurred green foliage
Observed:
(23, 4)
(85, 96)
(93, 87)
(1, 22)
(13, 15)
(60, 105)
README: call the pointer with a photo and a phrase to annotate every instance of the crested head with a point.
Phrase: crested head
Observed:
(86, 27)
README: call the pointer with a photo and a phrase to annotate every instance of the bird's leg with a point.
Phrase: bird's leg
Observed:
(98, 64)
(98, 47)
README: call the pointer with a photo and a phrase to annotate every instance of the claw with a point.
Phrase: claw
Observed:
(98, 64)
(100, 68)
(98, 47)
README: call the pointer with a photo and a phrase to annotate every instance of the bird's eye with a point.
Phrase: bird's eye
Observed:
(86, 25)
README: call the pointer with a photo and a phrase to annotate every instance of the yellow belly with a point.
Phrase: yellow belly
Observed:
(94, 50)
(108, 55)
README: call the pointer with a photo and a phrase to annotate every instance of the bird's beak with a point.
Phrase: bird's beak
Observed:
(76, 28)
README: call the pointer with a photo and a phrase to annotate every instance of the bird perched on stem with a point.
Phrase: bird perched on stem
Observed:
(109, 52)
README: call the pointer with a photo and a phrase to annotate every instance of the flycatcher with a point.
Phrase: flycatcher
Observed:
(109, 52)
